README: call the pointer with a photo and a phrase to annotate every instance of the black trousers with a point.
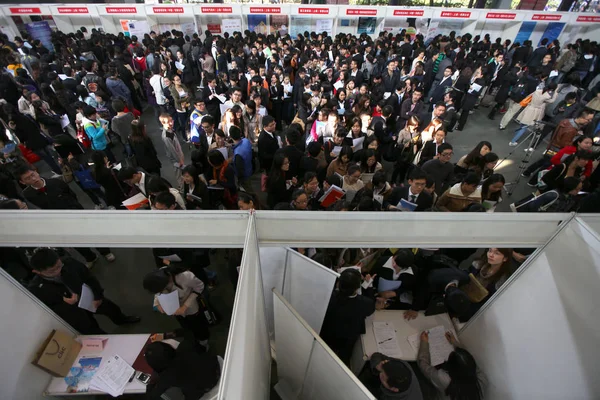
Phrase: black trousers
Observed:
(91, 327)
(539, 165)
(112, 311)
(195, 323)
(89, 255)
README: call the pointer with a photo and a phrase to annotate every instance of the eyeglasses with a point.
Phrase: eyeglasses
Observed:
(447, 154)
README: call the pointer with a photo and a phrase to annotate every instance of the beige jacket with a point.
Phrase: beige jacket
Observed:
(454, 200)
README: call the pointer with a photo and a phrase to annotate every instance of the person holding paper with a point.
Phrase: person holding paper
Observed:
(188, 288)
(194, 190)
(267, 143)
(222, 175)
(351, 181)
(143, 148)
(97, 131)
(341, 163)
(345, 317)
(398, 269)
(172, 146)
(413, 193)
(461, 195)
(535, 110)
(470, 98)
(457, 378)
(209, 94)
(59, 283)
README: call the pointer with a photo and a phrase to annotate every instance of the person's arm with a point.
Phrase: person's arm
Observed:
(239, 165)
(439, 378)
(374, 361)
(230, 177)
(88, 279)
(557, 158)
(443, 201)
(95, 132)
(188, 279)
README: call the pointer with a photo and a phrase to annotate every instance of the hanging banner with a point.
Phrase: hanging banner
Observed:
(525, 31)
(366, 25)
(214, 28)
(231, 25)
(279, 23)
(324, 25)
(41, 31)
(299, 26)
(257, 23)
(552, 31)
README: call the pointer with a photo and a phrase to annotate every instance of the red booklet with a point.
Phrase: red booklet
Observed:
(332, 195)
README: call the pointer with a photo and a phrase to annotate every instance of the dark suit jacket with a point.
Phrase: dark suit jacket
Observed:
(267, 146)
(390, 82)
(521, 54)
(74, 274)
(212, 106)
(70, 84)
(56, 196)
(470, 99)
(428, 152)
(440, 90)
(535, 60)
(294, 156)
(406, 112)
(424, 200)
(358, 79)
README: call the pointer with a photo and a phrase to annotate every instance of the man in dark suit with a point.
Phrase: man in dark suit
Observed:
(438, 112)
(438, 89)
(535, 60)
(391, 77)
(267, 143)
(522, 53)
(47, 194)
(413, 193)
(209, 94)
(410, 107)
(355, 74)
(70, 82)
(406, 50)
(206, 138)
(59, 283)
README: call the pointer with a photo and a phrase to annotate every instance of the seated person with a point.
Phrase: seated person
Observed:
(398, 268)
(456, 379)
(391, 378)
(345, 317)
(493, 269)
(461, 195)
(414, 193)
(180, 366)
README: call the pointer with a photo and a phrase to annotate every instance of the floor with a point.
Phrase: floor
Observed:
(122, 279)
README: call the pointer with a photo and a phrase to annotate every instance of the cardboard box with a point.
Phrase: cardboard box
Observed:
(57, 354)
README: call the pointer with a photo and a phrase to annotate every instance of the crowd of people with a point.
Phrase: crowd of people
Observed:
(314, 122)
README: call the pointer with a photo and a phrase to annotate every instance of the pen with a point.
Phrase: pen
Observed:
(386, 340)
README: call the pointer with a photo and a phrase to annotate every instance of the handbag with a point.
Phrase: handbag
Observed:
(83, 138)
(525, 102)
(67, 173)
(29, 155)
(84, 176)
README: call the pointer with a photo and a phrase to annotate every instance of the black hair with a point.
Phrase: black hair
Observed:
(457, 302)
(167, 198)
(215, 157)
(43, 258)
(443, 147)
(462, 369)
(417, 174)
(314, 149)
(379, 177)
(88, 111)
(474, 155)
(570, 183)
(235, 133)
(404, 258)
(471, 179)
(349, 282)
(485, 187)
(346, 151)
(21, 170)
(399, 375)
(157, 280)
(127, 173)
(334, 180)
(159, 356)
(156, 185)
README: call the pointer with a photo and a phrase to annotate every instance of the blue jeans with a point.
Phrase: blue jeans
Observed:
(519, 132)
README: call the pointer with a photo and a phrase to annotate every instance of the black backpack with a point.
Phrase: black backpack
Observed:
(518, 92)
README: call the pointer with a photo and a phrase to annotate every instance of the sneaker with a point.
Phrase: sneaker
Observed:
(525, 174)
(513, 144)
(110, 257)
(501, 128)
(530, 184)
(55, 175)
(90, 264)
(471, 112)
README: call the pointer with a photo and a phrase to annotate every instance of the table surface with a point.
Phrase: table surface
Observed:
(126, 346)
(403, 330)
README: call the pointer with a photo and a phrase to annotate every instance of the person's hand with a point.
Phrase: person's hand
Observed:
(160, 309)
(294, 181)
(71, 300)
(332, 154)
(181, 310)
(424, 336)
(380, 303)
(390, 208)
(519, 257)
(70, 156)
(97, 303)
(212, 182)
(166, 262)
(188, 197)
(157, 337)
(410, 314)
(370, 278)
(450, 337)
(388, 294)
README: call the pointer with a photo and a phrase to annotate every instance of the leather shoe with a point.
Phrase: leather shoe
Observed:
(130, 319)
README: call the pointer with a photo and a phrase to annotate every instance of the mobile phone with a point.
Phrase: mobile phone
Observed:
(143, 377)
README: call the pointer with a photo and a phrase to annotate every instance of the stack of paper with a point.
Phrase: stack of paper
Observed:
(333, 194)
(86, 301)
(406, 205)
(385, 336)
(135, 202)
(439, 347)
(113, 376)
(169, 302)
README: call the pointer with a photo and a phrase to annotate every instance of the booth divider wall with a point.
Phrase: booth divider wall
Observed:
(26, 323)
(306, 366)
(539, 337)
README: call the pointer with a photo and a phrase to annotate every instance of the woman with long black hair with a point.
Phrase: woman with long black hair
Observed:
(104, 174)
(457, 378)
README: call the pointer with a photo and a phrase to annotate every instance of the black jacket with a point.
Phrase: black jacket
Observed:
(74, 274)
(428, 152)
(277, 191)
(294, 155)
(145, 155)
(424, 200)
(267, 146)
(200, 191)
(56, 195)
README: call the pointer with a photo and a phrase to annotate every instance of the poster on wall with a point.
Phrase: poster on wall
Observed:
(300, 25)
(231, 25)
(188, 28)
(125, 27)
(41, 31)
(138, 28)
(324, 25)
(367, 25)
(280, 23)
(213, 28)
(257, 23)
(525, 31)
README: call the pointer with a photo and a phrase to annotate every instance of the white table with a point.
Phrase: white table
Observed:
(126, 346)
(367, 344)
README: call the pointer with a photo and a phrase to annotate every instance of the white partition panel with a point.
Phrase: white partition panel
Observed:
(272, 266)
(247, 368)
(539, 338)
(123, 228)
(294, 343)
(328, 378)
(384, 229)
(26, 323)
(308, 286)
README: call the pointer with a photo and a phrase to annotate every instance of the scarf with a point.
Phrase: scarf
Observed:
(221, 173)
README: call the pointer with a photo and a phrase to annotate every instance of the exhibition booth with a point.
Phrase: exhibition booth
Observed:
(218, 18)
(544, 315)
